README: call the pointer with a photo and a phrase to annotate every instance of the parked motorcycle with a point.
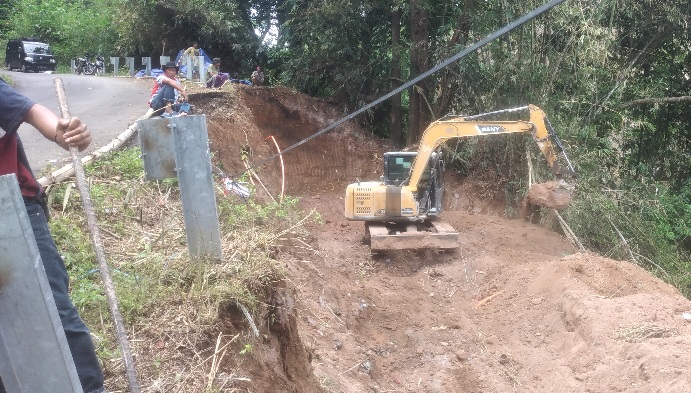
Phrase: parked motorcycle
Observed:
(99, 66)
(83, 66)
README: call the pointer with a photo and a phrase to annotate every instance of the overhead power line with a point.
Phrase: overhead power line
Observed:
(459, 55)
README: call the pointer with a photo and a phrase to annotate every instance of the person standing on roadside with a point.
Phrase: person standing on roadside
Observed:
(192, 52)
(15, 109)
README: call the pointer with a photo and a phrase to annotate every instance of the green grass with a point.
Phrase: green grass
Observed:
(7, 78)
(144, 239)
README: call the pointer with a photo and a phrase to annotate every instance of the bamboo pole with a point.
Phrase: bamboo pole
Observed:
(283, 171)
(67, 171)
(95, 234)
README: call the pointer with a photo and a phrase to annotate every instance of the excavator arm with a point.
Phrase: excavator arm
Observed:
(458, 127)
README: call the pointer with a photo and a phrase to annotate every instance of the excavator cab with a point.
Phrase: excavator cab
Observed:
(431, 186)
(397, 167)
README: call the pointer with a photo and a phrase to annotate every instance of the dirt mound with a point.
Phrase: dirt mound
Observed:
(242, 124)
(515, 308)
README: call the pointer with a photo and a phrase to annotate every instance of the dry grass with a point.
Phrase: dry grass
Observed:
(185, 318)
(642, 332)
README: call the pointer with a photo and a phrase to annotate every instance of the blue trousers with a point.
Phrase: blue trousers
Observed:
(78, 335)
(164, 95)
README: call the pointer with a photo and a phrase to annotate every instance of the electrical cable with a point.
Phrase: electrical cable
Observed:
(461, 54)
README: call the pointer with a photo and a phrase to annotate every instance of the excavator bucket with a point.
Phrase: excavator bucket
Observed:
(429, 235)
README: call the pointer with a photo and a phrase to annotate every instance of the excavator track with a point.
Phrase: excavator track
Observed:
(397, 236)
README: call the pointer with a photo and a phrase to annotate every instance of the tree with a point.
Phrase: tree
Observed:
(396, 125)
(614, 76)
(419, 109)
(71, 27)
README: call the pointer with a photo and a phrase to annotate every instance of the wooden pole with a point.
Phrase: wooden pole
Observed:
(283, 171)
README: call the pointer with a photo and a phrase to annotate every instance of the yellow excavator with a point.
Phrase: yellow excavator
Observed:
(400, 211)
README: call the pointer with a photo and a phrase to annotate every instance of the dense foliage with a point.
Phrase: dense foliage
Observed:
(613, 75)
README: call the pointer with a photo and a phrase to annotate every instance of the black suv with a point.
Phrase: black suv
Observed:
(29, 54)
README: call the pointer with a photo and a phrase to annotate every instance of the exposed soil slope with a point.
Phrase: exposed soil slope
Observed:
(514, 309)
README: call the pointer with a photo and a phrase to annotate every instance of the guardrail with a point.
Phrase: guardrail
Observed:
(34, 355)
(113, 67)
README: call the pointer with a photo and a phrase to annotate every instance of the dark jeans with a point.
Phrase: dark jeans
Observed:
(164, 95)
(78, 335)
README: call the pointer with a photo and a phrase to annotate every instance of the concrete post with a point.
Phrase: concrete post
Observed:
(189, 67)
(164, 60)
(202, 68)
(115, 61)
(130, 64)
(146, 62)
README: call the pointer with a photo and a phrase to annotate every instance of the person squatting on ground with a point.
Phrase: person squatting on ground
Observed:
(166, 93)
(257, 77)
(216, 77)
(15, 109)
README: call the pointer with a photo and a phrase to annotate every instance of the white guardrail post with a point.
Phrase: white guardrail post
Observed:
(163, 61)
(146, 62)
(115, 61)
(130, 64)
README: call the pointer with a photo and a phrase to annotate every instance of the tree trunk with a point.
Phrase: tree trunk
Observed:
(419, 111)
(449, 83)
(395, 133)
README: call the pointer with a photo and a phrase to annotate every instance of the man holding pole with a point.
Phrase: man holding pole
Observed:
(14, 110)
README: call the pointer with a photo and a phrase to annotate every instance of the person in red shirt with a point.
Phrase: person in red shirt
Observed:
(15, 109)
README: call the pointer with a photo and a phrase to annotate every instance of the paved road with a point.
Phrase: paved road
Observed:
(107, 105)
